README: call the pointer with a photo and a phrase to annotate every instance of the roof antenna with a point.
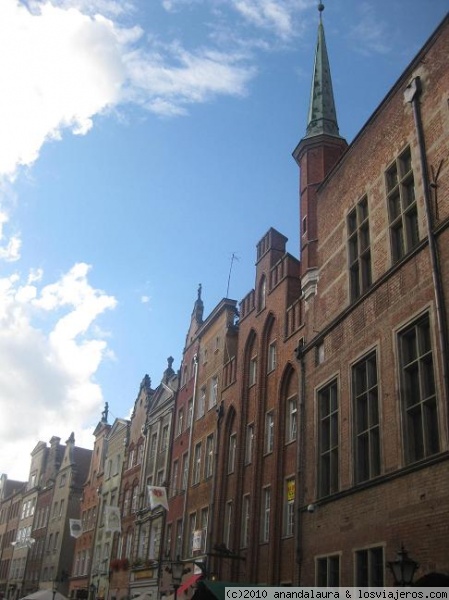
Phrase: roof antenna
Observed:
(233, 257)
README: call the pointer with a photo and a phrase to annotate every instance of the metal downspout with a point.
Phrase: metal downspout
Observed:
(412, 95)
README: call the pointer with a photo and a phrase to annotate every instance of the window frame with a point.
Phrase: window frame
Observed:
(366, 418)
(359, 249)
(418, 380)
(328, 450)
(402, 211)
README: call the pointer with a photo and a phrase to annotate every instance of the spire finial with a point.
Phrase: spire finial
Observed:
(320, 8)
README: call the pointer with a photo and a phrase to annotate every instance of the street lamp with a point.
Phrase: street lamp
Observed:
(403, 568)
(177, 571)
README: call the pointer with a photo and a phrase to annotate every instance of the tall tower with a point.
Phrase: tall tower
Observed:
(316, 154)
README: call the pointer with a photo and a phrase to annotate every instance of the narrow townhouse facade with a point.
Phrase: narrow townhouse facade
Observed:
(175, 546)
(192, 521)
(130, 491)
(65, 505)
(25, 544)
(147, 567)
(88, 565)
(217, 345)
(375, 352)
(262, 424)
(10, 499)
(55, 454)
(107, 536)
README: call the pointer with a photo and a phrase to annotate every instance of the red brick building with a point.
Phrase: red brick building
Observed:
(86, 554)
(131, 488)
(375, 355)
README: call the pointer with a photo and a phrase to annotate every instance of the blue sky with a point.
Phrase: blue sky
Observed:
(142, 143)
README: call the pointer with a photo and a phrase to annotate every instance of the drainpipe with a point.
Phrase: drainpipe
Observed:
(300, 455)
(189, 452)
(412, 95)
(213, 491)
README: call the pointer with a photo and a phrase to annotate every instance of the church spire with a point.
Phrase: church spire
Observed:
(316, 154)
(322, 116)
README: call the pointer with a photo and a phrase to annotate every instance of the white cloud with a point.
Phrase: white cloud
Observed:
(275, 15)
(167, 82)
(9, 247)
(370, 33)
(63, 62)
(58, 68)
(48, 376)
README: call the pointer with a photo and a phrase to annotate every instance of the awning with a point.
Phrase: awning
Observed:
(188, 583)
(182, 590)
(208, 590)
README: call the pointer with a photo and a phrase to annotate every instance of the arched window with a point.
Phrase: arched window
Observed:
(262, 293)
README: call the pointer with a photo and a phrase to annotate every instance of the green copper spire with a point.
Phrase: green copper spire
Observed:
(322, 115)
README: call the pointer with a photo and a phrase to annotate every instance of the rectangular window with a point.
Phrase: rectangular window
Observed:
(131, 458)
(204, 523)
(213, 396)
(249, 444)
(418, 394)
(153, 445)
(140, 449)
(269, 432)
(185, 471)
(168, 534)
(402, 208)
(328, 571)
(232, 452)
(266, 508)
(328, 439)
(366, 419)
(272, 359)
(164, 438)
(192, 528)
(180, 421)
(289, 506)
(369, 567)
(209, 459)
(174, 478)
(197, 464)
(178, 548)
(190, 413)
(244, 534)
(201, 403)
(291, 425)
(359, 249)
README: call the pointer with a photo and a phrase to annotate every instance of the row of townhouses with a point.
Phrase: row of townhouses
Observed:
(304, 439)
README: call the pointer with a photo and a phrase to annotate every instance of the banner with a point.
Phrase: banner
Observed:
(112, 519)
(75, 528)
(157, 497)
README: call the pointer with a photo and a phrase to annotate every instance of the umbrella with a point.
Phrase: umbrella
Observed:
(45, 595)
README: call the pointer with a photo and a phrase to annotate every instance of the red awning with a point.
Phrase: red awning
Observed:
(187, 584)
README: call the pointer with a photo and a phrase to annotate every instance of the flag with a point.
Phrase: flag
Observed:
(75, 528)
(157, 497)
(112, 519)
